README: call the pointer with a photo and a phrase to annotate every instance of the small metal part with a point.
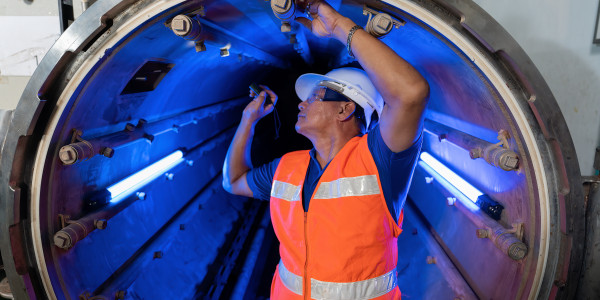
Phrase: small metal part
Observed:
(73, 233)
(169, 176)
(200, 47)
(497, 156)
(77, 150)
(482, 233)
(224, 52)
(100, 224)
(450, 201)
(489, 206)
(286, 27)
(140, 195)
(62, 240)
(509, 244)
(157, 254)
(431, 260)
(120, 295)
(379, 24)
(64, 220)
(428, 180)
(68, 155)
(176, 128)
(183, 26)
(189, 162)
(129, 127)
(108, 152)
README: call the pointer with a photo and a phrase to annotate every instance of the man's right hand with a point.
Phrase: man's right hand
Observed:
(256, 109)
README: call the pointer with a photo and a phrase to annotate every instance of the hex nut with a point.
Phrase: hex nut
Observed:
(108, 152)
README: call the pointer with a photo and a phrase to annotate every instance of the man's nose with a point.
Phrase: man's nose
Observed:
(301, 106)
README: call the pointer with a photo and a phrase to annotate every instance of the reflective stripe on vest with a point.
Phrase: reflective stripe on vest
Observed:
(348, 187)
(365, 289)
(286, 191)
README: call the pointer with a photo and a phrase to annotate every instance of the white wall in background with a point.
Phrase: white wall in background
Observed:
(557, 35)
(27, 30)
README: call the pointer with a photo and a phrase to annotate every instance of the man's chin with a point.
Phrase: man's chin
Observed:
(299, 128)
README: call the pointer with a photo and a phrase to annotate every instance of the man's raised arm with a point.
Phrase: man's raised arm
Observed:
(402, 87)
(238, 161)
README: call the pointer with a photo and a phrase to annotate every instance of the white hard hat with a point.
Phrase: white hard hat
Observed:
(350, 82)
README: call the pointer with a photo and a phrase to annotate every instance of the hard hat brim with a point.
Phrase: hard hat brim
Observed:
(307, 82)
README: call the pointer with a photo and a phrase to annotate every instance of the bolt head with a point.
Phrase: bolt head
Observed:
(281, 6)
(384, 22)
(67, 155)
(100, 224)
(62, 240)
(181, 25)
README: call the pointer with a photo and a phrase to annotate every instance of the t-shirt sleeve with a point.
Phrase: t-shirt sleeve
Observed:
(260, 179)
(395, 169)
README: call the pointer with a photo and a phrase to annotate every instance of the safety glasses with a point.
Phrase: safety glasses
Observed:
(326, 91)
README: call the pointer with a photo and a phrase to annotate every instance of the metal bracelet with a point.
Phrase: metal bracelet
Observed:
(349, 40)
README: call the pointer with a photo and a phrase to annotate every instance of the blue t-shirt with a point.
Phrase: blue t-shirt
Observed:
(395, 173)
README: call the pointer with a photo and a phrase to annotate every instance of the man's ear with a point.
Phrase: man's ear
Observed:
(346, 111)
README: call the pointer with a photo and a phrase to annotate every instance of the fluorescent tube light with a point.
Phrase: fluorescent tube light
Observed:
(131, 184)
(463, 190)
(463, 186)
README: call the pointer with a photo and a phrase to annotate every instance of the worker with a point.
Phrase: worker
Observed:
(336, 209)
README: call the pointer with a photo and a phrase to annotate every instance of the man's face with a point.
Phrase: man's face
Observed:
(315, 115)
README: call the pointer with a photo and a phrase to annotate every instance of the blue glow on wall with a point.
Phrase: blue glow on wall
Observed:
(460, 188)
(131, 184)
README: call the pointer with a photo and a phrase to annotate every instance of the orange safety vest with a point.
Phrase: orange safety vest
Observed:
(345, 246)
